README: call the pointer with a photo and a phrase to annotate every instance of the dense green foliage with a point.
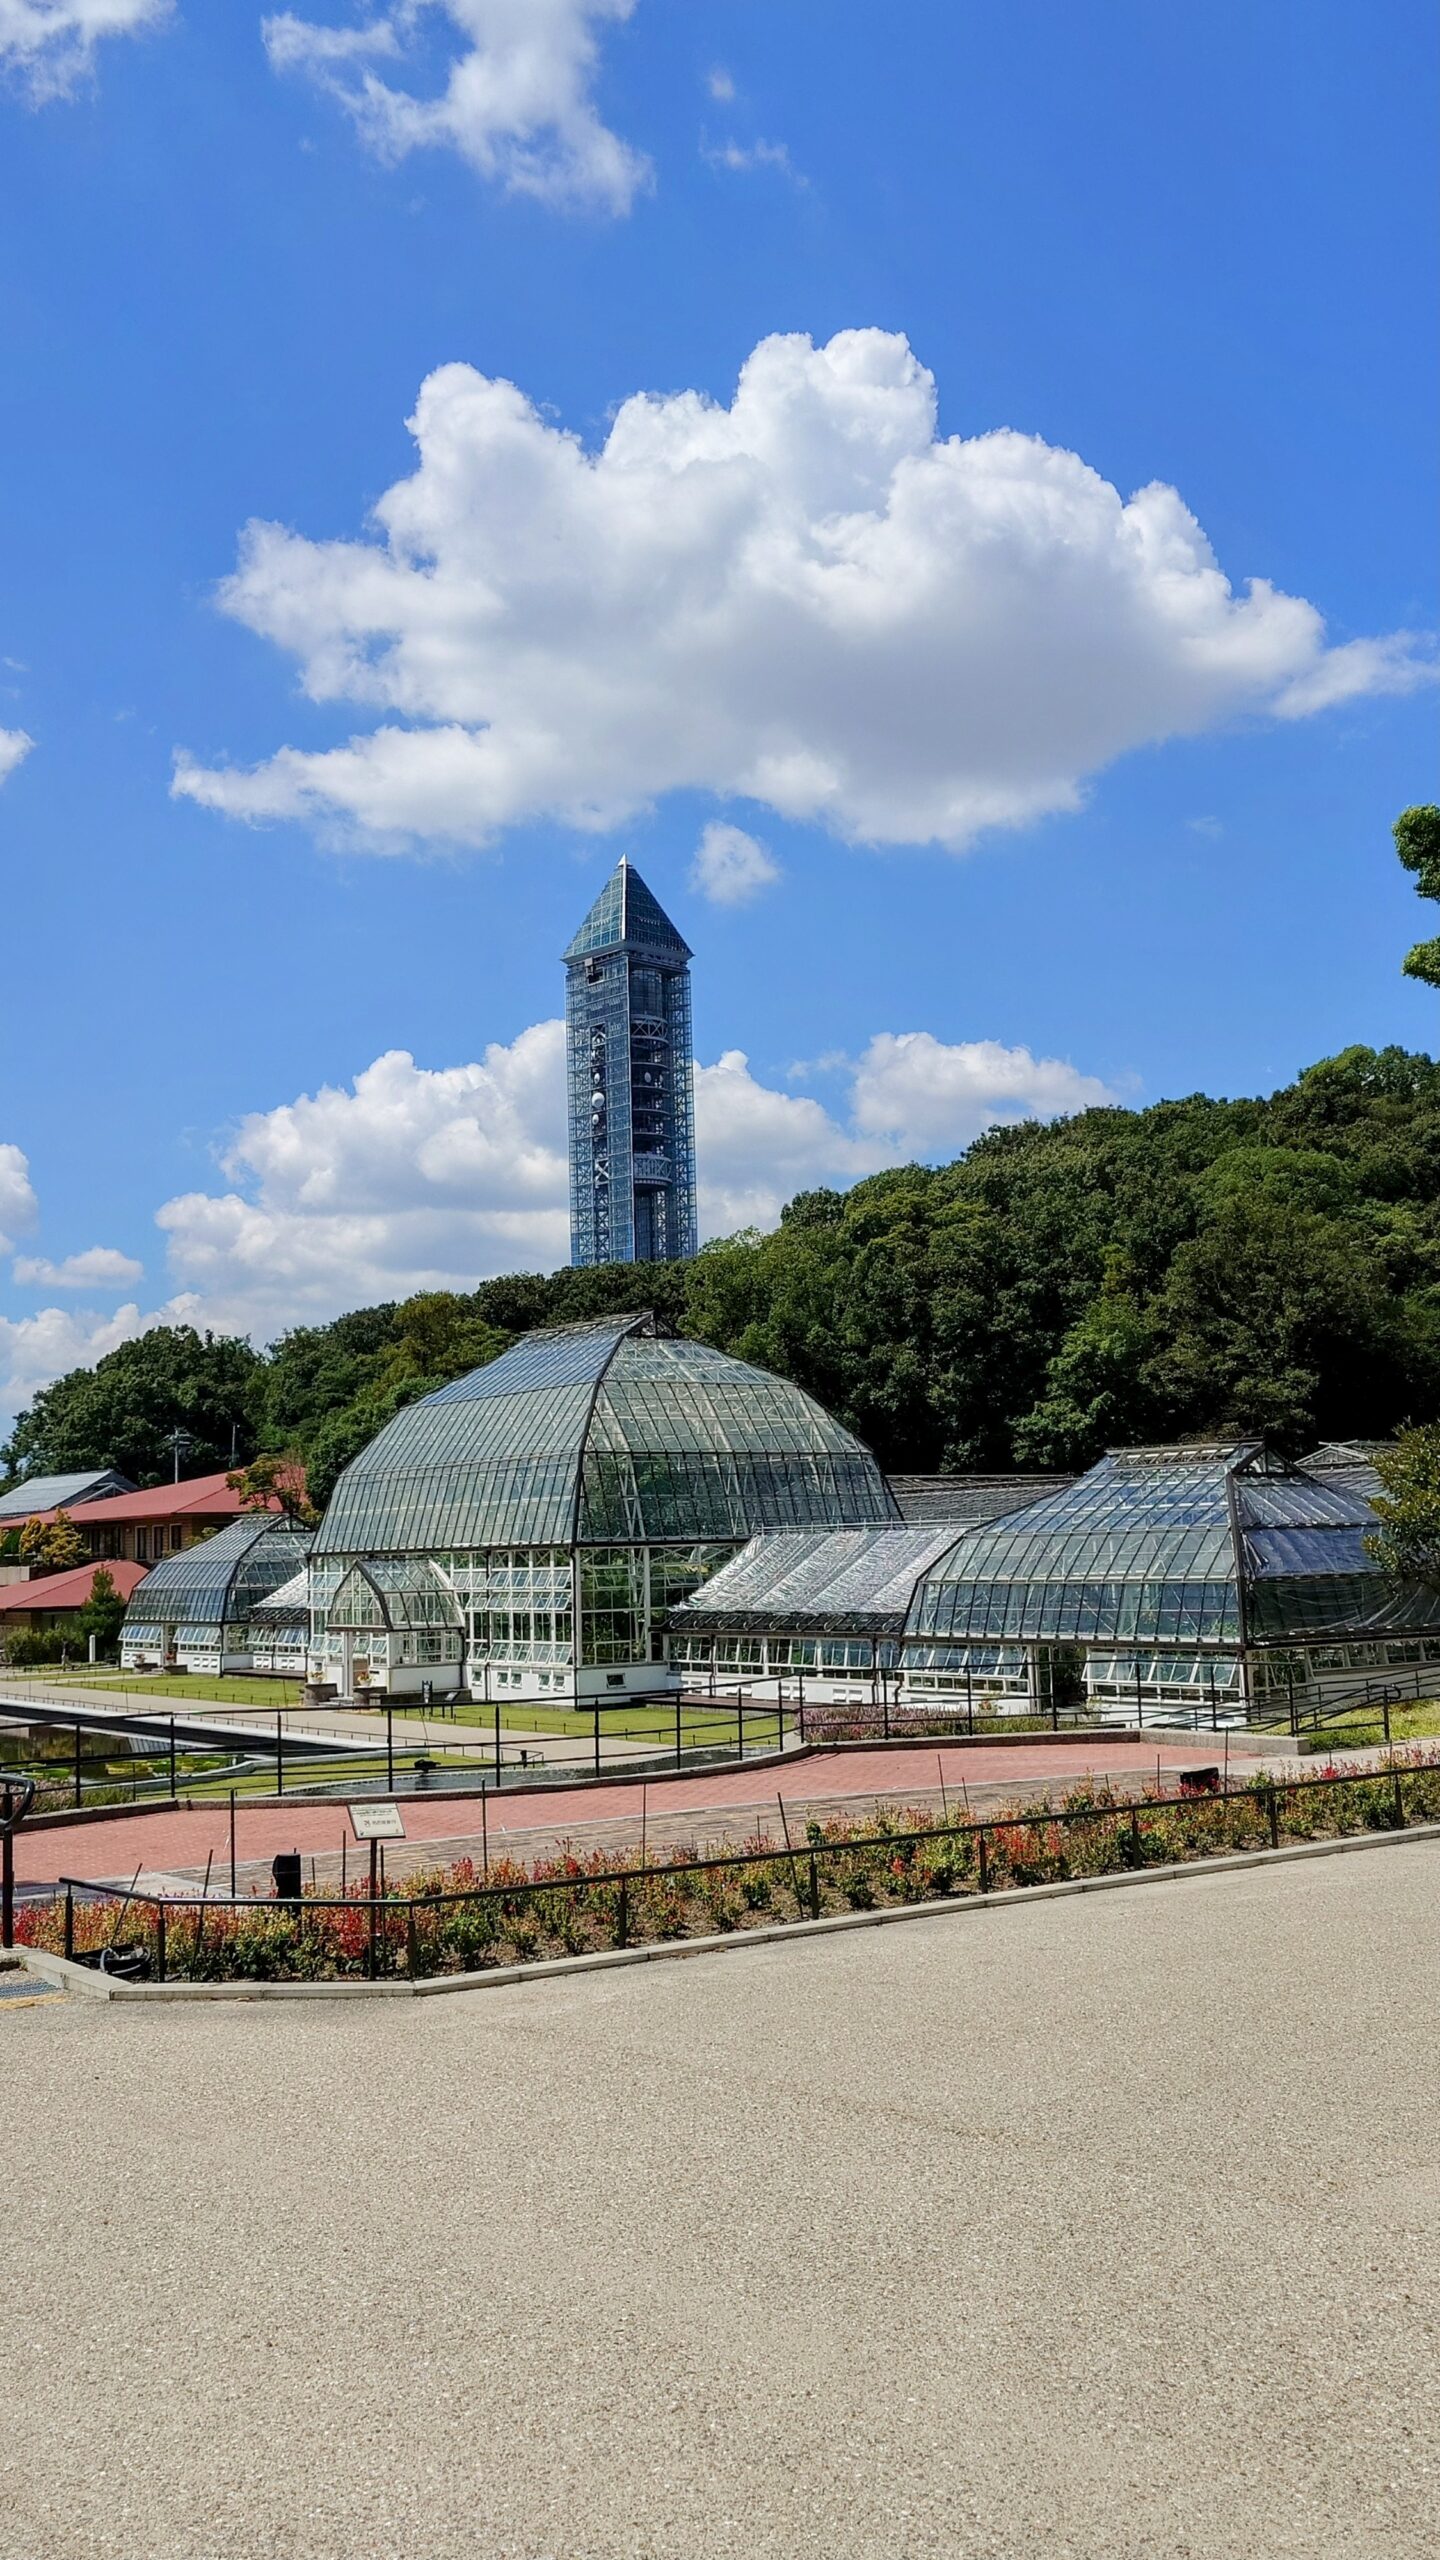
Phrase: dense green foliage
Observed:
(127, 1407)
(1407, 1542)
(1269, 1266)
(1417, 841)
(103, 1613)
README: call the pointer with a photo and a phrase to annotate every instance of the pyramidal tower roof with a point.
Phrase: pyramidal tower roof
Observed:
(627, 916)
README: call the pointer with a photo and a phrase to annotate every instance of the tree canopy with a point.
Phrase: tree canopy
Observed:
(1267, 1265)
(1417, 841)
(123, 1412)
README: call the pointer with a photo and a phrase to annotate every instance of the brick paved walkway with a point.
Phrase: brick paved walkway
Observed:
(723, 1803)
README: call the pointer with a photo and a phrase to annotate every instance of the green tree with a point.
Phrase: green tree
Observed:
(103, 1613)
(1417, 841)
(52, 1546)
(1407, 1543)
(124, 1411)
(275, 1479)
(1097, 1395)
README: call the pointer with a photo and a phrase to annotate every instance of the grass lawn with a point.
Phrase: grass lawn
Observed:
(1408, 1723)
(235, 1691)
(633, 1722)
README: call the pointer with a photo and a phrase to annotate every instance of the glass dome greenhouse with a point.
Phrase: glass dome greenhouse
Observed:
(557, 1503)
(195, 1610)
(1195, 1577)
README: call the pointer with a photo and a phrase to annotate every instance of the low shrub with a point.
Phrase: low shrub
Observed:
(461, 1920)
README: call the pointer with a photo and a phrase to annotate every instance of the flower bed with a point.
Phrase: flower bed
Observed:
(458, 1919)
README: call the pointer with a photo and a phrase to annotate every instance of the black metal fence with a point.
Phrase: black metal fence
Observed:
(379, 1933)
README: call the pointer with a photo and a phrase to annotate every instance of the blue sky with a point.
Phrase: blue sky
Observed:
(1191, 247)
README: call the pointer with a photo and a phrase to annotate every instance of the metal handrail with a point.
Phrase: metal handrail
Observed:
(1263, 1789)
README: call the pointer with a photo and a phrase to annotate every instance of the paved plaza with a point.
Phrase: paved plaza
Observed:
(1101, 2229)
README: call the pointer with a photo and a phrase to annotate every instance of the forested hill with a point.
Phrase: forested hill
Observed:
(1200, 1266)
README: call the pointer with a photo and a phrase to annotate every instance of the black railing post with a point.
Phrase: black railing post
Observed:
(597, 1737)
(622, 1915)
(389, 1744)
(498, 1769)
(1385, 1716)
(79, 1775)
(279, 1754)
(371, 1966)
(70, 1922)
(740, 1720)
(412, 1951)
(983, 1856)
(159, 1941)
(814, 1886)
(173, 1789)
(1399, 1800)
(678, 1762)
(1274, 1812)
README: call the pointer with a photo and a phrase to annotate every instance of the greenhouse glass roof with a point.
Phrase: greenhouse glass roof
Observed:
(816, 1582)
(287, 1606)
(602, 1434)
(224, 1577)
(397, 1592)
(1187, 1545)
(54, 1493)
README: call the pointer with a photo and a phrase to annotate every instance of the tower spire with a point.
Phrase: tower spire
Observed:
(631, 1079)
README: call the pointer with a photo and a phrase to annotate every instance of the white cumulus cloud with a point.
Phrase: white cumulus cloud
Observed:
(518, 101)
(808, 598)
(35, 1349)
(412, 1178)
(15, 744)
(426, 1178)
(51, 43)
(741, 157)
(731, 867)
(926, 1097)
(19, 1207)
(100, 1266)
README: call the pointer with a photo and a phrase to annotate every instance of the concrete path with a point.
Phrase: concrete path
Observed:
(1093, 2230)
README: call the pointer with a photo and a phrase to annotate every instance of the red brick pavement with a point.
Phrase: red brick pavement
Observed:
(174, 1841)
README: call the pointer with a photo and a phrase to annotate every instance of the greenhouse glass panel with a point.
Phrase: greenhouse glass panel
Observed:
(604, 1433)
(222, 1577)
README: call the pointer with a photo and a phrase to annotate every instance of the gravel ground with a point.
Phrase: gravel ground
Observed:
(1106, 2227)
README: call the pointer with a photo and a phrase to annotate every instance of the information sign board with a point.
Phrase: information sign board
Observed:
(377, 1822)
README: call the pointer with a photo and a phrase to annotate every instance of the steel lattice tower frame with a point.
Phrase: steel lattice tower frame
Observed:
(630, 1077)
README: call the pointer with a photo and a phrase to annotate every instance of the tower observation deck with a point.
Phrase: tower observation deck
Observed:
(631, 1080)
